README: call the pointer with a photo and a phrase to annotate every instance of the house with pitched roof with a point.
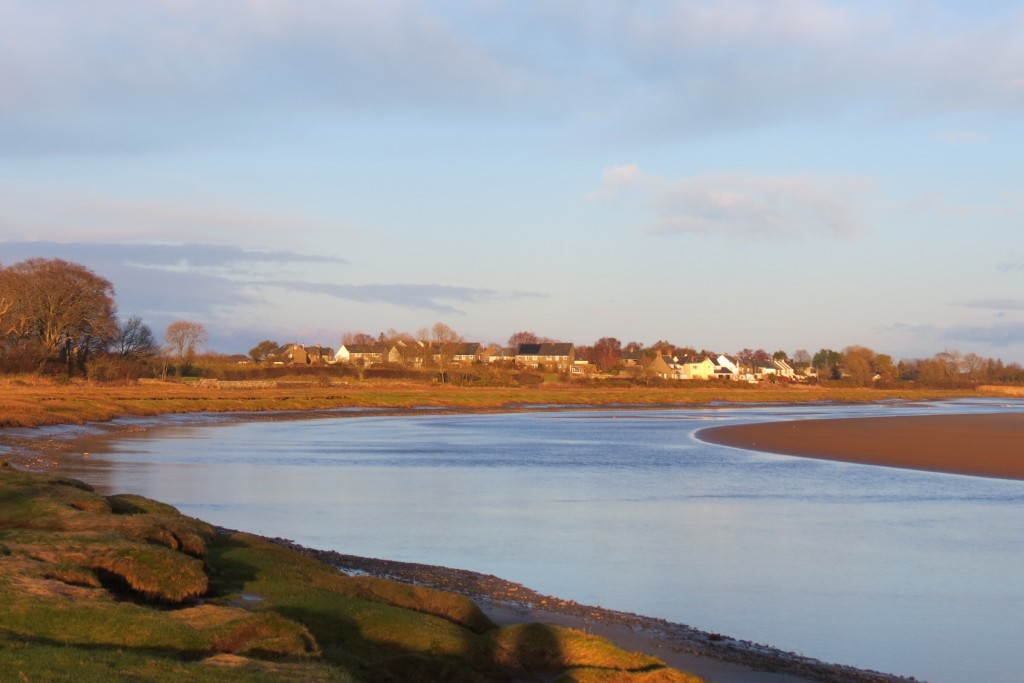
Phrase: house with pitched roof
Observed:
(361, 354)
(297, 354)
(665, 367)
(697, 367)
(551, 356)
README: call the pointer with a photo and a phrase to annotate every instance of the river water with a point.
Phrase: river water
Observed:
(914, 573)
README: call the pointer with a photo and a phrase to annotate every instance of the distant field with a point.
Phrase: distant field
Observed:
(31, 402)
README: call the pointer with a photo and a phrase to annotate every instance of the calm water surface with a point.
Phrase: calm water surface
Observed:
(908, 572)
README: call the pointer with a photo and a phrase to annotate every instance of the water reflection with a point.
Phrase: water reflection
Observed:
(901, 571)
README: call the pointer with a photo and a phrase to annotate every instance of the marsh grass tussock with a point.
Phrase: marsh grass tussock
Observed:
(110, 588)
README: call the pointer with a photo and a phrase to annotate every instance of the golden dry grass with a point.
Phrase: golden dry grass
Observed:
(37, 402)
(538, 646)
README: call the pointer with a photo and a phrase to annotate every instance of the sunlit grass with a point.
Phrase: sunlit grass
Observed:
(38, 402)
(122, 588)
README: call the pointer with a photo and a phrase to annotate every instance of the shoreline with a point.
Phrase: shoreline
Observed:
(716, 657)
(981, 445)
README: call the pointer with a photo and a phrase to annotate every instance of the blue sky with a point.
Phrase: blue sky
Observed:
(785, 175)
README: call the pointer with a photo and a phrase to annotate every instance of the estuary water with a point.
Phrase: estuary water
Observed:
(914, 573)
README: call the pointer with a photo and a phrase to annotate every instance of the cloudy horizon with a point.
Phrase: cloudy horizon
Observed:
(795, 175)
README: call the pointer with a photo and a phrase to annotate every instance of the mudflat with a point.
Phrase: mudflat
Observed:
(987, 445)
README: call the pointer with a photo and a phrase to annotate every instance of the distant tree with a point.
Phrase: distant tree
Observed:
(884, 367)
(393, 336)
(758, 354)
(446, 343)
(858, 362)
(62, 310)
(7, 299)
(357, 338)
(827, 363)
(633, 347)
(523, 338)
(134, 340)
(780, 355)
(801, 359)
(264, 351)
(606, 353)
(182, 339)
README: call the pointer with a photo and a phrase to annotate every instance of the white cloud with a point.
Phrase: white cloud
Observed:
(109, 54)
(961, 137)
(739, 205)
(65, 214)
(671, 68)
(994, 304)
(692, 66)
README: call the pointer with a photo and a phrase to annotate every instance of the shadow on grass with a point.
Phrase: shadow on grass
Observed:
(344, 645)
(227, 574)
(170, 653)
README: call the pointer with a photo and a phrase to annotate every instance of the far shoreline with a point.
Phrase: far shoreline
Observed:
(983, 445)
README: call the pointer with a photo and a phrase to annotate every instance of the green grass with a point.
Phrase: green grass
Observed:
(122, 588)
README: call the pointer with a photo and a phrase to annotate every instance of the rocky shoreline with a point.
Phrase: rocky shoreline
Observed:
(663, 637)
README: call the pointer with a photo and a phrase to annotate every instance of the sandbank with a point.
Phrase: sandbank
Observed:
(986, 445)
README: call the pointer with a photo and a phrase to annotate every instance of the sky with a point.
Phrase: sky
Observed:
(796, 174)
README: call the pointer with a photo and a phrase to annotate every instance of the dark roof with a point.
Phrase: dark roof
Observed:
(546, 349)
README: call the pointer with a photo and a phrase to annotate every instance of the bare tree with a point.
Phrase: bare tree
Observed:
(522, 338)
(64, 309)
(182, 338)
(446, 342)
(605, 353)
(135, 340)
(357, 338)
(6, 302)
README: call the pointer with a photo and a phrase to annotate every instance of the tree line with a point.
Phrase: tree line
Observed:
(59, 317)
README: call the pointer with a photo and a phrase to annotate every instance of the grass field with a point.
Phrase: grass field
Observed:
(33, 402)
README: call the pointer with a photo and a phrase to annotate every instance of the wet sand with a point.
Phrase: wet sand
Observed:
(986, 445)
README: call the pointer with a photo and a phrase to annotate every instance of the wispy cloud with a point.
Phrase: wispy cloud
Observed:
(961, 137)
(180, 280)
(68, 65)
(186, 258)
(739, 206)
(68, 215)
(738, 63)
(1000, 335)
(439, 298)
(161, 280)
(681, 67)
(994, 304)
(978, 337)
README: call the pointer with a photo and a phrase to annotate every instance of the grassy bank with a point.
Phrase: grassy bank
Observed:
(30, 402)
(111, 588)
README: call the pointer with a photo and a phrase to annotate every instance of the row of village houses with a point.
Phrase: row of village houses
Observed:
(555, 356)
